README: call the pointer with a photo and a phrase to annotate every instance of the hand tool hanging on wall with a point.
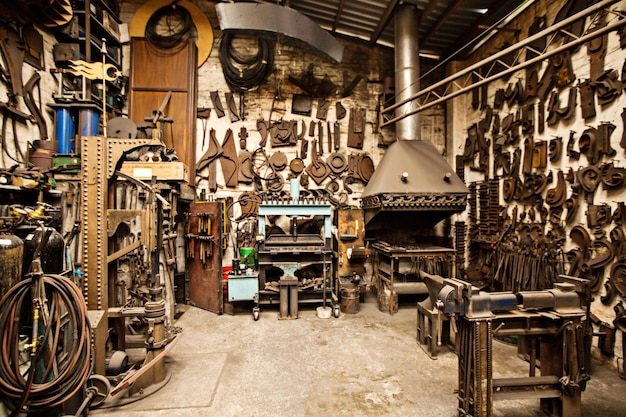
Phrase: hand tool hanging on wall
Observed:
(13, 114)
(540, 154)
(340, 110)
(596, 49)
(320, 137)
(587, 99)
(217, 104)
(232, 107)
(554, 149)
(532, 81)
(541, 117)
(330, 137)
(261, 127)
(322, 109)
(612, 176)
(590, 145)
(12, 48)
(528, 119)
(606, 130)
(608, 87)
(229, 161)
(35, 110)
(297, 164)
(213, 152)
(284, 133)
(245, 162)
(356, 128)
(336, 161)
(528, 156)
(556, 196)
(317, 169)
(571, 153)
(203, 114)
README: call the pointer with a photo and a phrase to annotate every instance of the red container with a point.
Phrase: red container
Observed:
(225, 272)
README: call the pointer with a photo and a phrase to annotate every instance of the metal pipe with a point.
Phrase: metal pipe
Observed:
(406, 48)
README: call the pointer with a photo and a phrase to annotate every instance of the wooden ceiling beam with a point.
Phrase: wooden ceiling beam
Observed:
(383, 21)
(475, 29)
(442, 21)
(429, 9)
(339, 12)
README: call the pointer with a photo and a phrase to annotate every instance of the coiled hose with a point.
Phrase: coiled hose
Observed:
(244, 73)
(61, 364)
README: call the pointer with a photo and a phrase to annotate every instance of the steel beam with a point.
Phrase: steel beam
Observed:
(272, 18)
(429, 97)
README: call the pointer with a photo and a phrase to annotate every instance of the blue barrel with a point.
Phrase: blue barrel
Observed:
(89, 122)
(64, 130)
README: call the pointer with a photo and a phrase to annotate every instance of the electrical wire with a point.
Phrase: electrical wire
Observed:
(62, 362)
(243, 72)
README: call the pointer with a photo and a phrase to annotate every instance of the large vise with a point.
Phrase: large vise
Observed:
(454, 296)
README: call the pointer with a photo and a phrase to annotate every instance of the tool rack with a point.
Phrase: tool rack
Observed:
(291, 252)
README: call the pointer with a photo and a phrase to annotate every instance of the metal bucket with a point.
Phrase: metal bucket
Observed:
(350, 300)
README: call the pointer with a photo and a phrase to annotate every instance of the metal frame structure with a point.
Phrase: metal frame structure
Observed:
(469, 78)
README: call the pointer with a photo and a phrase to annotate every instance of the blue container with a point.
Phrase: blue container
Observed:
(64, 130)
(89, 122)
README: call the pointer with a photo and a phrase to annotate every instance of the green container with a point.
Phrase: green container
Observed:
(247, 257)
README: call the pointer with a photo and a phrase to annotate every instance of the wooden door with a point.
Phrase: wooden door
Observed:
(204, 255)
(155, 72)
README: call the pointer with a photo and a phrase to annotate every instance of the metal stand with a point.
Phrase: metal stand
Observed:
(554, 317)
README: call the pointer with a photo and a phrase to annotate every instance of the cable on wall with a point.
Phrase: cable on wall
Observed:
(244, 72)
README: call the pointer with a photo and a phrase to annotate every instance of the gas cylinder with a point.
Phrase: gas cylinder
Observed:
(51, 255)
(11, 256)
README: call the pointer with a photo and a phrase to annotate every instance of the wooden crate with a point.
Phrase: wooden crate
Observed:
(164, 171)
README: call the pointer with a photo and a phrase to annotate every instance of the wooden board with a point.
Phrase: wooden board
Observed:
(165, 171)
(205, 276)
(155, 72)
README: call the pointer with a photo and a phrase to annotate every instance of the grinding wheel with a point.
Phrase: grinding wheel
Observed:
(121, 127)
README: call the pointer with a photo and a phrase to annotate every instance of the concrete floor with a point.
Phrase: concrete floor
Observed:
(364, 364)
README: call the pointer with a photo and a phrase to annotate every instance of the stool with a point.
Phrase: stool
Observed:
(427, 327)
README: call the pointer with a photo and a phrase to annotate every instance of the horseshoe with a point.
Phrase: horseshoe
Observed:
(571, 205)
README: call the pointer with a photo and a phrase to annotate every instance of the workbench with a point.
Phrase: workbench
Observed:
(292, 253)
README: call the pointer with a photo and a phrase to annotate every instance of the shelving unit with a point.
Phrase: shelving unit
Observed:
(82, 39)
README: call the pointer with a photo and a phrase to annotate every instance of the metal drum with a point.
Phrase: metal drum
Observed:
(350, 300)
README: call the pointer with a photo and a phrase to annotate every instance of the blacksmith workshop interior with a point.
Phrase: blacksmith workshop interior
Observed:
(312, 208)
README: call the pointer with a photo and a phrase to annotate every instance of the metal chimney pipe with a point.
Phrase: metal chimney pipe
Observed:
(406, 54)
